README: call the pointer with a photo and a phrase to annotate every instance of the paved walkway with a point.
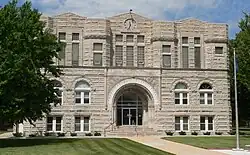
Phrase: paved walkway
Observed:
(231, 152)
(172, 147)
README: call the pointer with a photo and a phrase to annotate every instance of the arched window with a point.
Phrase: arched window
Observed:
(82, 93)
(206, 94)
(59, 90)
(181, 93)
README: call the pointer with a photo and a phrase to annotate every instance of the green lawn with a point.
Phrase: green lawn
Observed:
(86, 146)
(213, 142)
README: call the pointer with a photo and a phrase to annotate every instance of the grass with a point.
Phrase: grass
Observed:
(86, 146)
(213, 142)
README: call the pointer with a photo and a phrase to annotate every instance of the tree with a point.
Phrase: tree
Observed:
(242, 47)
(27, 50)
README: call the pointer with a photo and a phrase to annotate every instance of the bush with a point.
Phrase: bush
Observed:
(49, 134)
(97, 134)
(59, 134)
(232, 133)
(169, 133)
(218, 133)
(206, 133)
(73, 134)
(194, 133)
(182, 133)
(88, 134)
(242, 133)
(18, 134)
(32, 135)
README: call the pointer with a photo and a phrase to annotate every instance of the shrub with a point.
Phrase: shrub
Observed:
(59, 134)
(73, 134)
(232, 133)
(194, 133)
(218, 133)
(18, 134)
(97, 134)
(206, 133)
(32, 135)
(169, 133)
(88, 134)
(242, 133)
(49, 134)
(182, 133)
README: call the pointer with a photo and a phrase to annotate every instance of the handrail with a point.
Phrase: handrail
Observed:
(112, 123)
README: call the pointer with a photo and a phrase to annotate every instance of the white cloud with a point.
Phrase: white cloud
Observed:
(105, 8)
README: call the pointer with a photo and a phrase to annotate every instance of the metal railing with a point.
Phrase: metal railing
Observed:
(105, 129)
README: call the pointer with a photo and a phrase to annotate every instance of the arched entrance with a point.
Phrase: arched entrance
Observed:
(131, 106)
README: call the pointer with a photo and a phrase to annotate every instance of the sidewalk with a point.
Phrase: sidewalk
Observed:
(172, 147)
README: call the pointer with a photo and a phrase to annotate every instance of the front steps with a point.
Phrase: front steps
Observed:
(130, 131)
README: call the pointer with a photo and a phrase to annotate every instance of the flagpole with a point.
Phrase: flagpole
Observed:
(236, 106)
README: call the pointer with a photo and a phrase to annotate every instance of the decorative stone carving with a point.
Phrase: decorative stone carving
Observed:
(171, 39)
(97, 36)
(216, 40)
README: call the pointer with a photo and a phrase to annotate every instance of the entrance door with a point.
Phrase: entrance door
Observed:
(129, 116)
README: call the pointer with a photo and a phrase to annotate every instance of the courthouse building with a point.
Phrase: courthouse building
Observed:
(128, 74)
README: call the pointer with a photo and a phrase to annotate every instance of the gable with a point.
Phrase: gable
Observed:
(128, 15)
(69, 15)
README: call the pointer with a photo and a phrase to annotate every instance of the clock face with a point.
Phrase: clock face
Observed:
(130, 24)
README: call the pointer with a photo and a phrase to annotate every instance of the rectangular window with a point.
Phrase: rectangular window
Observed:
(206, 123)
(130, 56)
(181, 98)
(202, 98)
(97, 59)
(197, 59)
(181, 123)
(206, 98)
(118, 55)
(75, 36)
(82, 124)
(130, 38)
(218, 50)
(209, 98)
(61, 55)
(62, 35)
(77, 123)
(54, 124)
(185, 57)
(118, 38)
(97, 47)
(75, 54)
(184, 40)
(197, 40)
(140, 56)
(166, 61)
(166, 49)
(140, 39)
(82, 97)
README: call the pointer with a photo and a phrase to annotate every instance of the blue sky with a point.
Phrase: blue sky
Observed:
(221, 11)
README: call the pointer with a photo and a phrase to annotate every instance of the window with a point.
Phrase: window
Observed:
(118, 55)
(62, 36)
(206, 94)
(166, 56)
(118, 38)
(59, 90)
(184, 40)
(61, 55)
(140, 56)
(140, 39)
(197, 40)
(181, 94)
(75, 36)
(82, 93)
(218, 50)
(130, 56)
(185, 56)
(130, 38)
(181, 124)
(197, 57)
(54, 124)
(82, 124)
(97, 47)
(75, 54)
(206, 123)
(97, 59)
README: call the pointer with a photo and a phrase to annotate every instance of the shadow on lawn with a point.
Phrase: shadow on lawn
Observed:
(32, 142)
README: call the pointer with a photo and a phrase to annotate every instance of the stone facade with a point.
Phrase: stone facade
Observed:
(156, 81)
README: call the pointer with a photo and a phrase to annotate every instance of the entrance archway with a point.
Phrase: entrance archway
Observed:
(131, 106)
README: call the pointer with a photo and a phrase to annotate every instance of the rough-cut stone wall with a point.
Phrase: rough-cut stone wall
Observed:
(161, 82)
